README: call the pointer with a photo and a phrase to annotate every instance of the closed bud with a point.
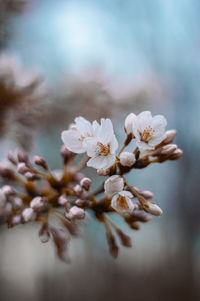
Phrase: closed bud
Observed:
(135, 226)
(176, 154)
(140, 216)
(147, 194)
(80, 203)
(77, 213)
(28, 214)
(153, 209)
(78, 190)
(113, 185)
(170, 135)
(66, 154)
(37, 203)
(6, 172)
(103, 172)
(8, 190)
(40, 161)
(127, 159)
(86, 183)
(22, 168)
(11, 158)
(22, 157)
(31, 176)
(168, 149)
(16, 220)
(129, 121)
(62, 200)
(113, 247)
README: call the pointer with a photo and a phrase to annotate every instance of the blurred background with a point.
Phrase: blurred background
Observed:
(65, 58)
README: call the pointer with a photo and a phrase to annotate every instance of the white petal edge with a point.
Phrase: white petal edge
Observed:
(71, 140)
(101, 161)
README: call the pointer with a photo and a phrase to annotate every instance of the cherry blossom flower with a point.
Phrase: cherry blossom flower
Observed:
(113, 185)
(102, 147)
(74, 137)
(122, 203)
(149, 131)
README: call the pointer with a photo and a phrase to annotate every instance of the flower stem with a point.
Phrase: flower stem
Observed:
(81, 164)
(140, 198)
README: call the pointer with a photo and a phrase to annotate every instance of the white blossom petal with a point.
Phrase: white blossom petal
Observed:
(99, 162)
(143, 120)
(129, 121)
(105, 131)
(122, 203)
(90, 145)
(159, 123)
(157, 140)
(113, 144)
(73, 141)
(143, 145)
(84, 126)
(95, 126)
(113, 185)
(126, 193)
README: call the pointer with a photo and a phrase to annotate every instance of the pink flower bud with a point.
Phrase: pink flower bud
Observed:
(66, 154)
(37, 203)
(153, 209)
(62, 200)
(176, 154)
(16, 220)
(6, 172)
(11, 158)
(31, 176)
(86, 183)
(22, 157)
(168, 149)
(77, 213)
(40, 161)
(170, 135)
(80, 203)
(28, 214)
(127, 159)
(113, 185)
(78, 190)
(129, 121)
(8, 190)
(22, 168)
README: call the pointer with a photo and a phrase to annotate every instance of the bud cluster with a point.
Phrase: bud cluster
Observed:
(31, 192)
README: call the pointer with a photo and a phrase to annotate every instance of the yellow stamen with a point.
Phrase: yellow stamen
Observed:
(103, 149)
(122, 202)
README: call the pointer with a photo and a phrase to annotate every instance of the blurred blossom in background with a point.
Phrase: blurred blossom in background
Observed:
(61, 59)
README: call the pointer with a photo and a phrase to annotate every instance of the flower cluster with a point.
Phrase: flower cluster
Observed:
(59, 201)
